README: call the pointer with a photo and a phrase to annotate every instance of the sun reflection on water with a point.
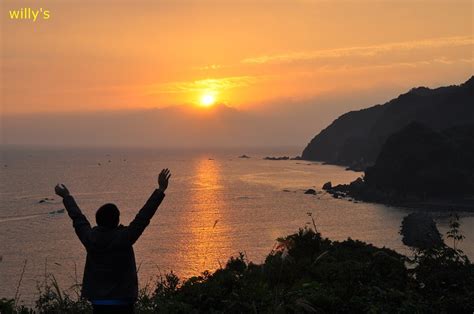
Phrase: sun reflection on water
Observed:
(208, 238)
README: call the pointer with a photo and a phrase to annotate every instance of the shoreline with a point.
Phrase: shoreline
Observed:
(357, 190)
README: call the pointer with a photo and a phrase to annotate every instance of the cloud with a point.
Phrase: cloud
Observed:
(214, 84)
(414, 64)
(362, 51)
(209, 67)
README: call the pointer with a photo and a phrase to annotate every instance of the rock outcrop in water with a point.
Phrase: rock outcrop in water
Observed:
(327, 186)
(45, 200)
(419, 231)
(277, 158)
(356, 138)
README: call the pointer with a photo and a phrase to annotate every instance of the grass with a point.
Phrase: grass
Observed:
(304, 273)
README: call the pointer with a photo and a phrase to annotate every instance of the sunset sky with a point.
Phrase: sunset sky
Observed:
(250, 55)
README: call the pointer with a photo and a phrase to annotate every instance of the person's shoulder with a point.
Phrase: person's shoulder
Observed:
(121, 229)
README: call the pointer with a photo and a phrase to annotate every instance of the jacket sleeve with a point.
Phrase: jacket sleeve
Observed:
(79, 221)
(142, 219)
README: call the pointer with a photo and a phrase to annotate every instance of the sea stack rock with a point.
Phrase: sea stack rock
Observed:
(327, 186)
(419, 231)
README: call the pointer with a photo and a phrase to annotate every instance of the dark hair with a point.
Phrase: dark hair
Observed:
(107, 216)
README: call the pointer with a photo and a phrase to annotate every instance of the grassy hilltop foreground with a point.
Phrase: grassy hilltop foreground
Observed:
(306, 273)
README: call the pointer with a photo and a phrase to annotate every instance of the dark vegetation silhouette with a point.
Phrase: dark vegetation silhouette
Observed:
(422, 162)
(420, 167)
(356, 138)
(305, 273)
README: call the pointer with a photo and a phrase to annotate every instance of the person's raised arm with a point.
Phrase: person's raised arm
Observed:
(79, 221)
(142, 219)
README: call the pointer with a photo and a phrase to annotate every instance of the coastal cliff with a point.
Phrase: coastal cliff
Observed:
(420, 167)
(418, 161)
(356, 138)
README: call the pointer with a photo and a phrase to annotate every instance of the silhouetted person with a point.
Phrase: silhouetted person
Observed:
(110, 276)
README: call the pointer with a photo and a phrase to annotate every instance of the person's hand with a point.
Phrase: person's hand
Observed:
(163, 179)
(61, 190)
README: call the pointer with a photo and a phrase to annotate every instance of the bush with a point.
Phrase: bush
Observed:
(305, 274)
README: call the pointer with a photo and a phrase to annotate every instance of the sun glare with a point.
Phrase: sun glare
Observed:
(207, 100)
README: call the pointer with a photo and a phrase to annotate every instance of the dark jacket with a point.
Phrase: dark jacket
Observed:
(110, 271)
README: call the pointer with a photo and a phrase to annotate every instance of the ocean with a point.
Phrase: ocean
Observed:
(217, 205)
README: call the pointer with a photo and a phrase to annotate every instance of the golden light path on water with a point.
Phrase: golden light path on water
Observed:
(208, 232)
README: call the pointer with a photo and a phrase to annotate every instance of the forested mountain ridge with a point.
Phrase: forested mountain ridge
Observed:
(357, 137)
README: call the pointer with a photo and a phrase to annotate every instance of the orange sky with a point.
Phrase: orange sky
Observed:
(102, 55)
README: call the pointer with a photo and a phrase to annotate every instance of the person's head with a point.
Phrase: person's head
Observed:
(107, 215)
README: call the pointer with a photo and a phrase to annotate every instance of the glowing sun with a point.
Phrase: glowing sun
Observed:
(207, 100)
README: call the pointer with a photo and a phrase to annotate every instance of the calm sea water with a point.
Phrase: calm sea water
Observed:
(217, 205)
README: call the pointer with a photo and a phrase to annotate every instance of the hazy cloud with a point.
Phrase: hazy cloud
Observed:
(362, 51)
(214, 84)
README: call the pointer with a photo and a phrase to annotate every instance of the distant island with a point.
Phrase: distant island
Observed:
(277, 158)
(282, 158)
(416, 150)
